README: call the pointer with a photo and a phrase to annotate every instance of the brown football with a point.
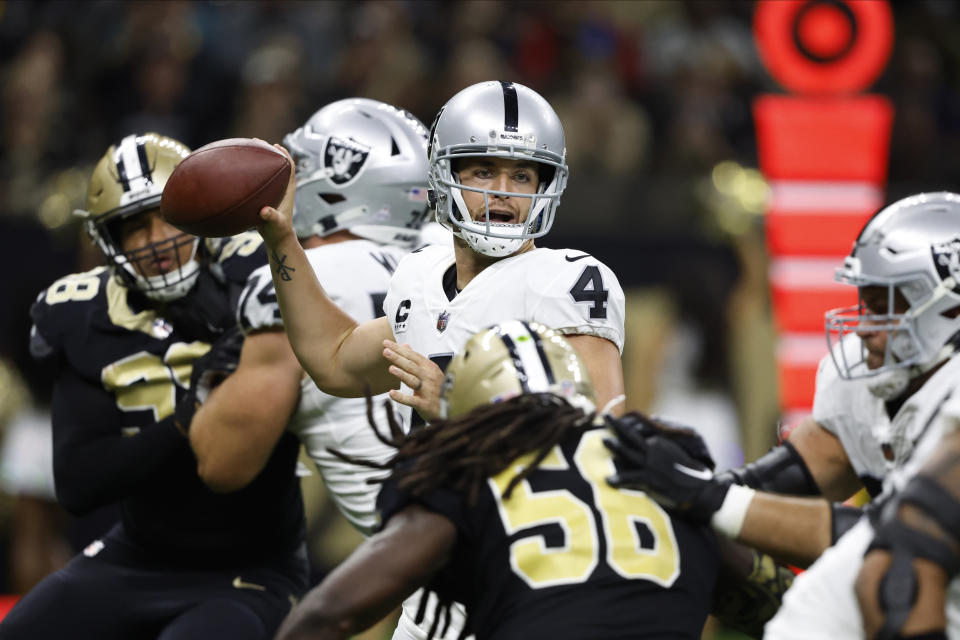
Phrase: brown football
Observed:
(219, 189)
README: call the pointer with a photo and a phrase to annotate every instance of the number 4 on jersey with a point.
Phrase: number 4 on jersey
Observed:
(589, 289)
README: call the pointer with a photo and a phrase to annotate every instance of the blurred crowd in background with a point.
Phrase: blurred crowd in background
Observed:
(655, 97)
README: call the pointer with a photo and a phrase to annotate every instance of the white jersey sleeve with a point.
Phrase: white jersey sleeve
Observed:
(848, 410)
(576, 294)
(355, 275)
(821, 603)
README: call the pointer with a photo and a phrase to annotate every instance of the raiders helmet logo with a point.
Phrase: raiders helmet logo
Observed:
(946, 257)
(344, 159)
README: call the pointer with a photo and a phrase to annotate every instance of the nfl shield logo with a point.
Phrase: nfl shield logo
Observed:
(442, 321)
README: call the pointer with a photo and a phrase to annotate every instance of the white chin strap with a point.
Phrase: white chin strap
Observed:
(478, 240)
(167, 286)
(156, 287)
(893, 383)
(889, 384)
(493, 247)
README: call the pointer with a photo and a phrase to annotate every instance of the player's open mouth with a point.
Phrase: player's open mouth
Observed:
(500, 217)
(161, 264)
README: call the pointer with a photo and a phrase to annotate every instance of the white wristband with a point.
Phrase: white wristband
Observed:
(728, 519)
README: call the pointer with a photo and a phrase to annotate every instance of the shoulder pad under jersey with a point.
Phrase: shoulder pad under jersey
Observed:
(578, 294)
(236, 257)
(66, 304)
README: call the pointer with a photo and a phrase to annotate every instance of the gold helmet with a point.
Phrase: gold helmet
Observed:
(129, 181)
(513, 358)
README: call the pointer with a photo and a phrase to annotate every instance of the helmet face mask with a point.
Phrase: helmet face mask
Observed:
(179, 250)
(126, 184)
(500, 120)
(362, 167)
(514, 358)
(909, 255)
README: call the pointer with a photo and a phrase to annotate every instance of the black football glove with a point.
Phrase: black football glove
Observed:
(670, 464)
(209, 370)
(686, 437)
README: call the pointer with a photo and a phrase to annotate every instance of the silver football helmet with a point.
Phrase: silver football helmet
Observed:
(912, 248)
(362, 166)
(506, 120)
(128, 181)
(510, 359)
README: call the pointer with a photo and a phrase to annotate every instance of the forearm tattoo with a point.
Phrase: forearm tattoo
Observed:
(285, 272)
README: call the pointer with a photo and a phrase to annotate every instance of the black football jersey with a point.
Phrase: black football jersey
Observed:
(121, 370)
(568, 556)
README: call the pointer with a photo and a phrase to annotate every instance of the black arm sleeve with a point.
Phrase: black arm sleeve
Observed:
(780, 470)
(93, 463)
(842, 519)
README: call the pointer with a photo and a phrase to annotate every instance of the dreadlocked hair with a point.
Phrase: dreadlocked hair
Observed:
(461, 453)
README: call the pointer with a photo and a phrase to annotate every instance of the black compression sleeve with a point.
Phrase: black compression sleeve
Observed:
(780, 470)
(842, 519)
(94, 464)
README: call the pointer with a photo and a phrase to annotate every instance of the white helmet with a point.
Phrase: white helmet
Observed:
(911, 247)
(128, 181)
(362, 166)
(505, 120)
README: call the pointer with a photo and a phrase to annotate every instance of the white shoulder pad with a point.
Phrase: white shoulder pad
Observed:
(943, 389)
(951, 411)
(576, 294)
(413, 270)
(356, 275)
(832, 396)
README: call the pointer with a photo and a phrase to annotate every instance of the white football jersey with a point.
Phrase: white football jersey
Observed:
(566, 290)
(355, 274)
(925, 417)
(822, 603)
(848, 410)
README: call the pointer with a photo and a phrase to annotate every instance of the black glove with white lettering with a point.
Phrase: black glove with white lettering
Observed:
(209, 370)
(669, 463)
